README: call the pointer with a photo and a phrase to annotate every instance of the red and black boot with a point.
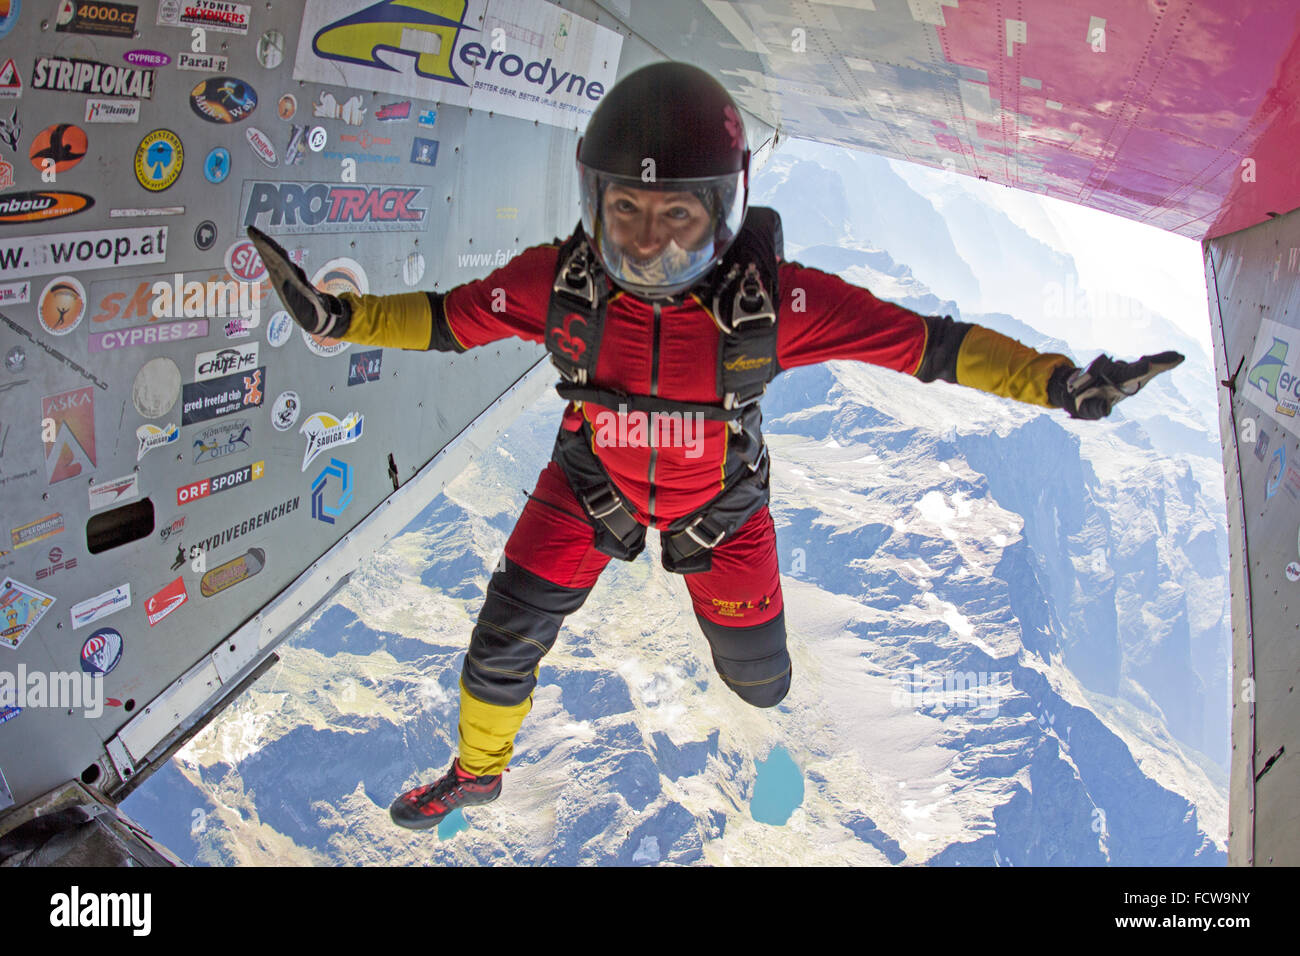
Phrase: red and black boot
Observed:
(426, 806)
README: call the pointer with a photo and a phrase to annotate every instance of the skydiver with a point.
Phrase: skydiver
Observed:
(671, 296)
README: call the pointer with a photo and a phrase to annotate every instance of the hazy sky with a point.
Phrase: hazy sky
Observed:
(1114, 255)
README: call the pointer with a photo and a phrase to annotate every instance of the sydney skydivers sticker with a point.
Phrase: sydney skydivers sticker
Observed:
(297, 208)
(211, 14)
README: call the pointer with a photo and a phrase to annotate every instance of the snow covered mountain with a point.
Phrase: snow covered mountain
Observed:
(1009, 634)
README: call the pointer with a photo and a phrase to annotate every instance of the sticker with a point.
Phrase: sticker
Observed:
(11, 130)
(205, 233)
(285, 411)
(151, 437)
(73, 448)
(350, 111)
(146, 58)
(237, 328)
(21, 607)
(139, 211)
(156, 387)
(202, 62)
(279, 329)
(293, 152)
(223, 99)
(98, 18)
(1276, 469)
(8, 17)
(394, 111)
(1292, 480)
(101, 605)
(115, 491)
(165, 601)
(156, 334)
(7, 712)
(295, 208)
(38, 530)
(341, 275)
(251, 523)
(16, 357)
(58, 148)
(317, 138)
(261, 146)
(341, 492)
(11, 81)
(69, 75)
(424, 151)
(196, 490)
(324, 431)
(112, 111)
(270, 49)
(427, 117)
(102, 651)
(6, 174)
(413, 268)
(62, 305)
(212, 14)
(287, 106)
(244, 262)
(217, 441)
(1293, 571)
(226, 361)
(167, 530)
(203, 401)
(365, 140)
(40, 205)
(158, 160)
(232, 572)
(364, 367)
(56, 564)
(216, 167)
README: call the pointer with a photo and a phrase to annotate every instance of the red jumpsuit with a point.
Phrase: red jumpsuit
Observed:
(669, 350)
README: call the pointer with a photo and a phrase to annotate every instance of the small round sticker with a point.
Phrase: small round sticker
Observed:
(285, 411)
(316, 138)
(270, 49)
(1293, 571)
(157, 386)
(413, 268)
(205, 235)
(279, 329)
(158, 160)
(102, 651)
(62, 305)
(16, 358)
(288, 105)
(58, 147)
(244, 262)
(217, 166)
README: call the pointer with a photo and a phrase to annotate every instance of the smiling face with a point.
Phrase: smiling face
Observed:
(642, 222)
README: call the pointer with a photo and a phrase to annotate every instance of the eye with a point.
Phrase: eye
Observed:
(624, 206)
(679, 213)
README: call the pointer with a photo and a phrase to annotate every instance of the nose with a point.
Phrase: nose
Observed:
(648, 240)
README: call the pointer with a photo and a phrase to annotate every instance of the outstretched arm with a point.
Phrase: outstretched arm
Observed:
(511, 301)
(823, 317)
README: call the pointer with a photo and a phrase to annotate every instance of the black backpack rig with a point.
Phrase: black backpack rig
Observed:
(741, 295)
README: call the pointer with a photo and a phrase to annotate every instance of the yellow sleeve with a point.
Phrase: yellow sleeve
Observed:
(402, 321)
(992, 362)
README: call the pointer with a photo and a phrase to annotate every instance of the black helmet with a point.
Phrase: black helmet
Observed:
(663, 170)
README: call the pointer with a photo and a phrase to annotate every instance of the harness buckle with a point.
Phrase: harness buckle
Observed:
(689, 531)
(607, 506)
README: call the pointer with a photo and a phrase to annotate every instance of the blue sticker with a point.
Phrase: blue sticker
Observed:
(102, 651)
(341, 472)
(10, 17)
(424, 151)
(1275, 474)
(217, 166)
(427, 118)
(364, 367)
(9, 712)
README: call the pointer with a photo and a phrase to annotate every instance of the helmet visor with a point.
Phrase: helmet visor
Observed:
(657, 239)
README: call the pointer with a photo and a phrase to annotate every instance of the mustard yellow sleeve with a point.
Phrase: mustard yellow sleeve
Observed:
(992, 362)
(403, 321)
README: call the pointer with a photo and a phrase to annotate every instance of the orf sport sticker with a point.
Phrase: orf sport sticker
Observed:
(158, 160)
(223, 99)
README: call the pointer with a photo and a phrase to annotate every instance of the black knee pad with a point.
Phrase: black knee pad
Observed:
(518, 624)
(752, 661)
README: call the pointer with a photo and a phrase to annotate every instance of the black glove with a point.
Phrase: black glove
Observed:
(1093, 392)
(318, 312)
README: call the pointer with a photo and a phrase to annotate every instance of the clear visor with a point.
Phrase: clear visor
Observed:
(658, 239)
